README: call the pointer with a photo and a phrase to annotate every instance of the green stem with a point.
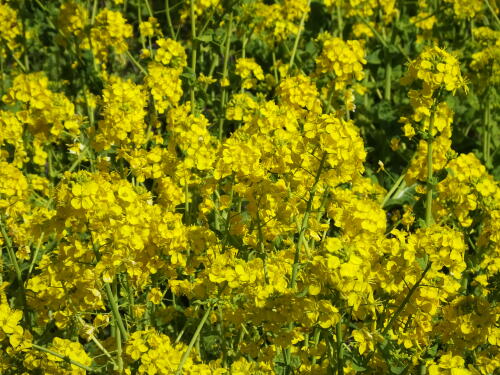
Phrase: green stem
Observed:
(383, 40)
(109, 294)
(25, 42)
(119, 352)
(2, 78)
(94, 12)
(222, 333)
(115, 311)
(305, 219)
(139, 17)
(406, 300)
(193, 341)
(186, 203)
(428, 202)
(388, 78)
(301, 26)
(63, 357)
(490, 8)
(136, 63)
(193, 54)
(401, 308)
(130, 297)
(262, 247)
(148, 8)
(300, 244)
(320, 213)
(340, 24)
(13, 259)
(316, 337)
(275, 68)
(79, 159)
(12, 255)
(169, 19)
(224, 76)
(393, 189)
(329, 98)
(487, 132)
(13, 55)
(340, 349)
(97, 342)
(35, 255)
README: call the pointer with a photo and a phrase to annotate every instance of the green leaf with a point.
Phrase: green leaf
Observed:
(374, 57)
(386, 112)
(206, 38)
(397, 369)
(357, 367)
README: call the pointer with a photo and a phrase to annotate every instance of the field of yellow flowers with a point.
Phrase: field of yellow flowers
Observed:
(209, 187)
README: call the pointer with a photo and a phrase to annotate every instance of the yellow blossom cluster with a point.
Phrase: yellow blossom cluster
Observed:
(110, 30)
(345, 59)
(11, 29)
(73, 18)
(123, 114)
(276, 21)
(435, 68)
(249, 71)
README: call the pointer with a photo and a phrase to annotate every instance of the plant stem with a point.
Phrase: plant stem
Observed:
(94, 12)
(490, 8)
(109, 294)
(340, 350)
(261, 247)
(340, 24)
(193, 341)
(401, 308)
(97, 343)
(388, 78)
(193, 54)
(487, 132)
(186, 202)
(35, 255)
(301, 26)
(169, 20)
(16, 59)
(115, 311)
(148, 8)
(300, 244)
(63, 357)
(13, 259)
(119, 352)
(383, 40)
(224, 76)
(136, 63)
(305, 219)
(275, 68)
(393, 189)
(428, 202)
(407, 299)
(12, 255)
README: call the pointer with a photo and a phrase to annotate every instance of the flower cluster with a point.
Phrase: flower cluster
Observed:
(435, 68)
(345, 59)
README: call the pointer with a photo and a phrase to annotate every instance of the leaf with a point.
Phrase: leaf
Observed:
(189, 76)
(386, 112)
(397, 369)
(357, 367)
(404, 195)
(206, 38)
(374, 58)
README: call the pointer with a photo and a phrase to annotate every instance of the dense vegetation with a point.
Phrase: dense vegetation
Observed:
(249, 187)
